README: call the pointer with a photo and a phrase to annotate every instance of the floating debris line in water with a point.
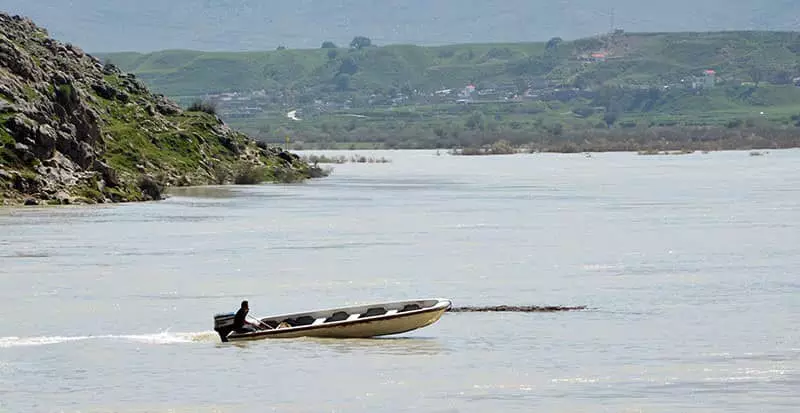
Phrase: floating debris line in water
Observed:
(515, 309)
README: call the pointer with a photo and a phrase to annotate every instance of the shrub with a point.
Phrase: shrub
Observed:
(219, 174)
(203, 106)
(288, 175)
(249, 174)
(734, 123)
(66, 96)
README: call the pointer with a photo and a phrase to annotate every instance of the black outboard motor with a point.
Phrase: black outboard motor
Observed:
(223, 325)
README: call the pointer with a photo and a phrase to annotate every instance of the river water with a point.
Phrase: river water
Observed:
(688, 264)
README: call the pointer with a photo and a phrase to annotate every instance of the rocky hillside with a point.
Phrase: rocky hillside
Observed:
(75, 131)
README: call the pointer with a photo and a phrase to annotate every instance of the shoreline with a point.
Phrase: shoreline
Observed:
(448, 152)
(167, 192)
(576, 145)
(6, 203)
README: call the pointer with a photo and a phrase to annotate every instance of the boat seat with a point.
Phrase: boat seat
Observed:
(304, 320)
(391, 312)
(374, 311)
(318, 321)
(353, 316)
(410, 307)
(337, 316)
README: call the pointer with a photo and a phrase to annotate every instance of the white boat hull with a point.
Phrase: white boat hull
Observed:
(362, 321)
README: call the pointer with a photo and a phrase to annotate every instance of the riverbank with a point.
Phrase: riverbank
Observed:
(647, 141)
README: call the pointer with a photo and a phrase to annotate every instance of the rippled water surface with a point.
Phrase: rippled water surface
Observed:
(688, 264)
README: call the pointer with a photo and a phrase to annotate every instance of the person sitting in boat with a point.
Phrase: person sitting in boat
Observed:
(240, 323)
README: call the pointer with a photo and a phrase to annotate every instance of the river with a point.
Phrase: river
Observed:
(688, 265)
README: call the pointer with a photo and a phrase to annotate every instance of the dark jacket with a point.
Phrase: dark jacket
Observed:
(238, 320)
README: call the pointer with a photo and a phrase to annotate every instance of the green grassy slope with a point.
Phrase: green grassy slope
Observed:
(643, 83)
(74, 130)
(634, 58)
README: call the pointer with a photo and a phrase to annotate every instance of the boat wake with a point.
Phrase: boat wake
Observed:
(165, 337)
(516, 309)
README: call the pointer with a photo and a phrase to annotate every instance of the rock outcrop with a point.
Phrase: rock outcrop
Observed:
(73, 130)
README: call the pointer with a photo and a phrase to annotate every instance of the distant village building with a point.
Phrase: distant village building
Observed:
(594, 57)
(443, 92)
(709, 78)
(465, 96)
(467, 92)
(707, 81)
(599, 56)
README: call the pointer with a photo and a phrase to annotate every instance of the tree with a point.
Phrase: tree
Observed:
(610, 118)
(521, 85)
(476, 121)
(407, 90)
(360, 42)
(795, 46)
(581, 81)
(756, 75)
(328, 45)
(553, 43)
(796, 119)
(348, 66)
(342, 82)
(781, 77)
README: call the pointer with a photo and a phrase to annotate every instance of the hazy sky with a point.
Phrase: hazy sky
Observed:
(147, 25)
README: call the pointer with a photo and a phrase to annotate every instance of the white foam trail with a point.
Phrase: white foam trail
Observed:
(170, 338)
(600, 267)
(165, 337)
(6, 342)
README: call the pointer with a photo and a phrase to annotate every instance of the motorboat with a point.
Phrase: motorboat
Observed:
(361, 321)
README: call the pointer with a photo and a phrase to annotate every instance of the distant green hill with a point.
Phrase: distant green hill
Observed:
(646, 59)
(621, 80)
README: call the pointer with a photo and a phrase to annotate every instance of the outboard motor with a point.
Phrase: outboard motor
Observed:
(223, 325)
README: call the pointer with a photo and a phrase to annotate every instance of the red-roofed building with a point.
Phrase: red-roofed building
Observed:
(707, 81)
(709, 78)
(599, 56)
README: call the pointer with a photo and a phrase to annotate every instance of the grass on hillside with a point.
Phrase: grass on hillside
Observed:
(189, 144)
(636, 58)
(642, 84)
(7, 155)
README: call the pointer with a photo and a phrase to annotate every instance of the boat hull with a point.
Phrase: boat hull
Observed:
(394, 321)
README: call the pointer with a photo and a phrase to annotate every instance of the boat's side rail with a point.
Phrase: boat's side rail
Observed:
(306, 319)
